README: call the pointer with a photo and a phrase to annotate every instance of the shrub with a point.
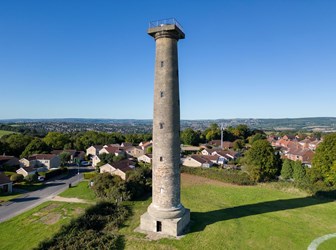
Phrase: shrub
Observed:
(31, 178)
(96, 229)
(16, 177)
(55, 172)
(225, 175)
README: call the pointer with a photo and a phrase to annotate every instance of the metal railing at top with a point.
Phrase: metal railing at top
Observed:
(168, 21)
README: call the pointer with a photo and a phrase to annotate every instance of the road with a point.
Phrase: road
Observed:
(32, 199)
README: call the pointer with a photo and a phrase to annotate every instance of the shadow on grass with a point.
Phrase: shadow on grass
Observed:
(203, 219)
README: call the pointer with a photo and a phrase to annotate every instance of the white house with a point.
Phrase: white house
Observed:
(147, 158)
(26, 171)
(6, 185)
(196, 161)
(119, 168)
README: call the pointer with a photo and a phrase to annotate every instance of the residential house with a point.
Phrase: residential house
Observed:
(147, 158)
(303, 155)
(26, 171)
(41, 160)
(218, 143)
(112, 150)
(6, 185)
(93, 150)
(225, 156)
(74, 154)
(207, 151)
(196, 161)
(10, 161)
(120, 168)
(126, 144)
(145, 145)
(134, 151)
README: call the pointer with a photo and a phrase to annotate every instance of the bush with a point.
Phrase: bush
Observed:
(16, 177)
(225, 175)
(31, 178)
(55, 172)
(96, 229)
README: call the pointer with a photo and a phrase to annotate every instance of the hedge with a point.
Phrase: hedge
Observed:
(225, 175)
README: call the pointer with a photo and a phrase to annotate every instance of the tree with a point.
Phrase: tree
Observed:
(213, 132)
(238, 144)
(190, 137)
(324, 160)
(287, 170)
(256, 137)
(56, 140)
(261, 161)
(109, 187)
(16, 177)
(299, 172)
(36, 146)
(15, 144)
(64, 157)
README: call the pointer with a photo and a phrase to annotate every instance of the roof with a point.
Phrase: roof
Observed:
(4, 179)
(199, 158)
(27, 169)
(41, 157)
(112, 149)
(5, 158)
(123, 165)
(71, 151)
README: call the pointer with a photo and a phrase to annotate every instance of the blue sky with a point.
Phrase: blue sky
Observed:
(240, 59)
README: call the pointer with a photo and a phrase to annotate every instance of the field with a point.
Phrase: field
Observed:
(4, 132)
(224, 216)
(28, 229)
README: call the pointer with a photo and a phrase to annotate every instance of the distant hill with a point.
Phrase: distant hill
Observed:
(324, 124)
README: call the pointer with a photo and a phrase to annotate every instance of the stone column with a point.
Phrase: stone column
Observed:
(166, 214)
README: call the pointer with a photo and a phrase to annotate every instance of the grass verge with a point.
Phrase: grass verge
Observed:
(80, 191)
(225, 216)
(28, 229)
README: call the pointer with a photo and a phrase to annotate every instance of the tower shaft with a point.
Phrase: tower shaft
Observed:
(166, 214)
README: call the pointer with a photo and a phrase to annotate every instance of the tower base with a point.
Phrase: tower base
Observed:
(172, 227)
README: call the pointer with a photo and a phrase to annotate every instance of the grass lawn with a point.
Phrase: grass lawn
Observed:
(4, 132)
(224, 216)
(28, 229)
(30, 187)
(81, 191)
(7, 197)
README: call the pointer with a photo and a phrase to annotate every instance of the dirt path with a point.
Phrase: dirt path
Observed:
(72, 200)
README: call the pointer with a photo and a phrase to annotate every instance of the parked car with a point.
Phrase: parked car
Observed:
(40, 178)
(85, 163)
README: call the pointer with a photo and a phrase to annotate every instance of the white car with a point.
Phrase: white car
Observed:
(40, 178)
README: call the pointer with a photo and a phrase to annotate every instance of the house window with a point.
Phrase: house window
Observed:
(161, 93)
(158, 226)
(162, 64)
(161, 125)
(161, 158)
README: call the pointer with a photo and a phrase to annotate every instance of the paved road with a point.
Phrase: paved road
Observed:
(32, 199)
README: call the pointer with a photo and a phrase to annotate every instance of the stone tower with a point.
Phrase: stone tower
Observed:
(166, 214)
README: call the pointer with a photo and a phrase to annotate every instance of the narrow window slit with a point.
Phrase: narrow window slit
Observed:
(162, 64)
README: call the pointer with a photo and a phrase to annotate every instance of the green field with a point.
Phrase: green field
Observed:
(237, 217)
(81, 191)
(4, 132)
(223, 216)
(28, 229)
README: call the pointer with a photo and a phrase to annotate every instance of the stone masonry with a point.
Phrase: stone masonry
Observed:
(166, 214)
